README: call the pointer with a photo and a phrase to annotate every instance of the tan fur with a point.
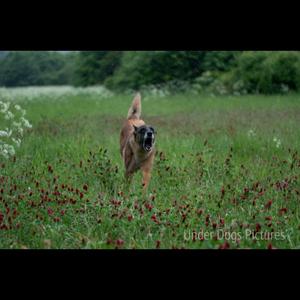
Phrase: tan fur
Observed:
(135, 109)
(133, 156)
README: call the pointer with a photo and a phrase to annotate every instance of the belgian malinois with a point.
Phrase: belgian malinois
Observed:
(137, 141)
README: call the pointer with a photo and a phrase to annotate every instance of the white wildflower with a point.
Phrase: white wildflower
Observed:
(4, 106)
(26, 122)
(53, 93)
(15, 127)
(15, 124)
(4, 153)
(9, 131)
(251, 133)
(7, 150)
(17, 142)
(277, 142)
(20, 130)
(9, 115)
(10, 149)
(3, 133)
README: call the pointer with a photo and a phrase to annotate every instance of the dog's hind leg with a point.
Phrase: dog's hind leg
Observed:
(130, 170)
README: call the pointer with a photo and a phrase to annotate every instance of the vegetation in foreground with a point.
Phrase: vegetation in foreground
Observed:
(226, 174)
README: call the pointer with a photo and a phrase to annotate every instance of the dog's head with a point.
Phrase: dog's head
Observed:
(145, 137)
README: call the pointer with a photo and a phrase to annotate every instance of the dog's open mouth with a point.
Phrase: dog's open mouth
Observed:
(148, 143)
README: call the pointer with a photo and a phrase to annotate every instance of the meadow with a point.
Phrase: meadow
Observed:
(226, 173)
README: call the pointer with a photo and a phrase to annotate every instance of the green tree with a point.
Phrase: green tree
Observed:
(23, 68)
(93, 67)
(220, 60)
(140, 68)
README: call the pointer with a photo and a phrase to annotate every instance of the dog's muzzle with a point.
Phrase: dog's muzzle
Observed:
(148, 141)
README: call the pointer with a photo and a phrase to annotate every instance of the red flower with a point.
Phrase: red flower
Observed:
(282, 211)
(157, 244)
(50, 211)
(115, 202)
(257, 227)
(56, 219)
(207, 218)
(269, 218)
(62, 212)
(153, 217)
(81, 195)
(222, 192)
(119, 242)
(152, 197)
(72, 201)
(246, 190)
(270, 247)
(199, 212)
(149, 206)
(225, 245)
(269, 204)
(130, 217)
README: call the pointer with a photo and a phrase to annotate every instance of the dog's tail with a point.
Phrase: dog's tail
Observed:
(135, 109)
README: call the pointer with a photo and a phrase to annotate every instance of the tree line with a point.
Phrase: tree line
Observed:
(252, 71)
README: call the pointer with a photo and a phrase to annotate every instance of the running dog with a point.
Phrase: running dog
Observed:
(137, 143)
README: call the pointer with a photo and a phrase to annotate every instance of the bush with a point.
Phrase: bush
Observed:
(268, 72)
(281, 73)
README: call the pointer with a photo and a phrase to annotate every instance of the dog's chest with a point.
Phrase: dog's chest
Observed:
(139, 155)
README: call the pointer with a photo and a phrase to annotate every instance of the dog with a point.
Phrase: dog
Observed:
(137, 143)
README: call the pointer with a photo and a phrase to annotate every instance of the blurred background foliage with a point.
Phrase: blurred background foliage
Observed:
(220, 72)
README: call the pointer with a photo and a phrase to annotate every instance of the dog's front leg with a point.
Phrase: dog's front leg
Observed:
(146, 170)
(146, 180)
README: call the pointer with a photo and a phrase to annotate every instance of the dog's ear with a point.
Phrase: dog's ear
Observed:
(135, 129)
(152, 129)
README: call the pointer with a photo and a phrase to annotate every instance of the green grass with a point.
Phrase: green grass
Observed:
(209, 175)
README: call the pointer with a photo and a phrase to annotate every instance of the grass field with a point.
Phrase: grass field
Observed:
(226, 174)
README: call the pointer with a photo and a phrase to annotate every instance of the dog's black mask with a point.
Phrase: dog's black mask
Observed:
(145, 137)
